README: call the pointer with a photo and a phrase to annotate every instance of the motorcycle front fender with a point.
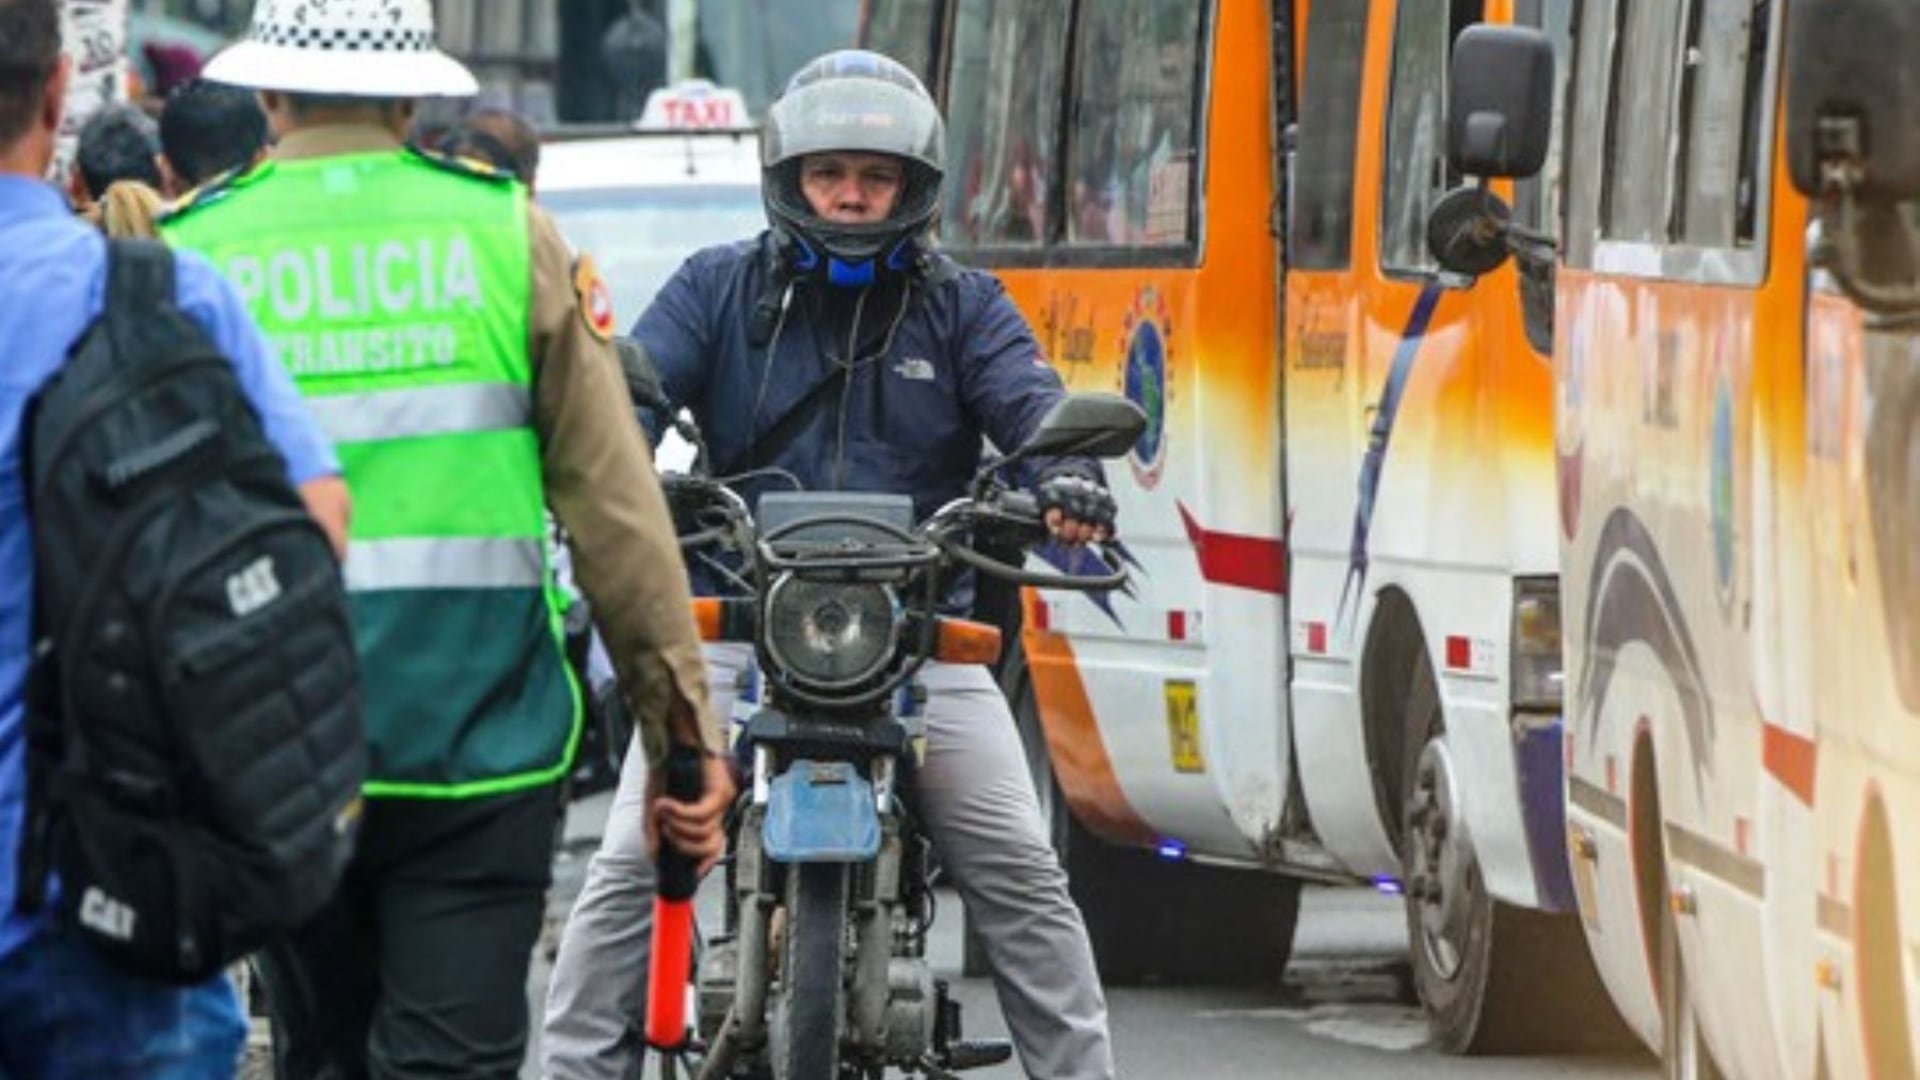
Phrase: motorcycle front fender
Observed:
(821, 811)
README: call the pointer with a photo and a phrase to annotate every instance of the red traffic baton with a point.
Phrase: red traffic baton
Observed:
(672, 956)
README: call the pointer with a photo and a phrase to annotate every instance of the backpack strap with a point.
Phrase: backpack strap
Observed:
(140, 285)
(42, 720)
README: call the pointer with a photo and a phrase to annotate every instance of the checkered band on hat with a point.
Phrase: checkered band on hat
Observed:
(347, 38)
(372, 26)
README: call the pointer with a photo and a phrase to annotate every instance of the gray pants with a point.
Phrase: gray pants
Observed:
(979, 807)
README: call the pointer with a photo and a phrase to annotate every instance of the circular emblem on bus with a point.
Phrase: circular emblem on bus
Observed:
(1148, 336)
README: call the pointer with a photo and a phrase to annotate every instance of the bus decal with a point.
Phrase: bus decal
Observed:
(1238, 561)
(1634, 601)
(1790, 758)
(1147, 341)
(1378, 438)
(1081, 562)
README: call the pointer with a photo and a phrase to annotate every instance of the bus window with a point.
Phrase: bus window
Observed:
(1641, 173)
(1321, 214)
(1417, 171)
(1586, 136)
(1537, 200)
(1003, 121)
(903, 29)
(1722, 88)
(1132, 146)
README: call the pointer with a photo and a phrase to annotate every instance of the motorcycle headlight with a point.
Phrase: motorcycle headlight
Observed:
(830, 634)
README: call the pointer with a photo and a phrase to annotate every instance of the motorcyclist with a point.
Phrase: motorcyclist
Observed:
(838, 348)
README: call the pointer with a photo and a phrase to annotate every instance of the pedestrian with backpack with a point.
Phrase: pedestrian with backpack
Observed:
(435, 322)
(99, 977)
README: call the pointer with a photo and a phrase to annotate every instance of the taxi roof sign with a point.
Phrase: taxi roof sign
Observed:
(695, 105)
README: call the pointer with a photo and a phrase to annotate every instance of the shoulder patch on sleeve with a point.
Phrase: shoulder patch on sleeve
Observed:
(596, 303)
(465, 166)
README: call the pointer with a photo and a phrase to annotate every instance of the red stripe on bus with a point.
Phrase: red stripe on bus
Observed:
(1790, 758)
(1246, 562)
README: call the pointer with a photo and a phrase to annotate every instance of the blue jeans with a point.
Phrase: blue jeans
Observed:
(65, 1012)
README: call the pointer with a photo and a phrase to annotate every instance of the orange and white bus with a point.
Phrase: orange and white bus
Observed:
(1340, 657)
(1738, 446)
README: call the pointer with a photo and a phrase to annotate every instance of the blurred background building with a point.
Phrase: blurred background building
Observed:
(556, 61)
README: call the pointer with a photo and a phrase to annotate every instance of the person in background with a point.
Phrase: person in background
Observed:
(207, 129)
(174, 65)
(128, 209)
(119, 145)
(501, 138)
(64, 1011)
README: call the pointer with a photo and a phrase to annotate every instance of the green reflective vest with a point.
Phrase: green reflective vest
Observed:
(397, 292)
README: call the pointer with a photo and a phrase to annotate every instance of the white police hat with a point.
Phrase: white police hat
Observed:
(362, 48)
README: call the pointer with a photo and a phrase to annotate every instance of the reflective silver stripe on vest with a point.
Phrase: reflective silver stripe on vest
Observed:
(425, 410)
(444, 563)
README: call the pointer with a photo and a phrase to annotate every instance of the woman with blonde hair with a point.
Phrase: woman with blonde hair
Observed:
(126, 209)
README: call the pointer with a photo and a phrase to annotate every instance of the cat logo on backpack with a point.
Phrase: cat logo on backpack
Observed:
(253, 588)
(105, 914)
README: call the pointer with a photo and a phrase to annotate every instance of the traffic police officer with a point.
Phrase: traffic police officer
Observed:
(436, 325)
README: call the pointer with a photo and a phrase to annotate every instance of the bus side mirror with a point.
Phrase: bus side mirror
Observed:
(1853, 97)
(1500, 101)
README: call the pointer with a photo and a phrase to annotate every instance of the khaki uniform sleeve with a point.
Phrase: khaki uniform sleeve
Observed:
(602, 486)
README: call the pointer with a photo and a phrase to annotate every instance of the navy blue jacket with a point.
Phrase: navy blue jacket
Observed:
(937, 366)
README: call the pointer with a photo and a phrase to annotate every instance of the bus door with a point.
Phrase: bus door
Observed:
(1375, 337)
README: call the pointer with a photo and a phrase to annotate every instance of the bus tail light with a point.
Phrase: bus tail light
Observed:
(1538, 678)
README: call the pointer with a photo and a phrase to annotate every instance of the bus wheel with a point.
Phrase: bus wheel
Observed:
(1477, 962)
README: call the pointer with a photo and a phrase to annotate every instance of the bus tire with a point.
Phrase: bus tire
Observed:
(1477, 961)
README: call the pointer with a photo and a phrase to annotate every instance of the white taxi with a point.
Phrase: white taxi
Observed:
(641, 199)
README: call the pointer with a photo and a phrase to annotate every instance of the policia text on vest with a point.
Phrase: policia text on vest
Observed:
(371, 307)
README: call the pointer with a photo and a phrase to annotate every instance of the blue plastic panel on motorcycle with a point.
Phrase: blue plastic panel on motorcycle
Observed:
(821, 811)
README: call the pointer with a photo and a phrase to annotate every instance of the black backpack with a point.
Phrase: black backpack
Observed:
(195, 750)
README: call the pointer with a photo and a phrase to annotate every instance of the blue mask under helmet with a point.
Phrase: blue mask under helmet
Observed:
(852, 101)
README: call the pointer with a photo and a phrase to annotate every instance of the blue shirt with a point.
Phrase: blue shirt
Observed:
(52, 282)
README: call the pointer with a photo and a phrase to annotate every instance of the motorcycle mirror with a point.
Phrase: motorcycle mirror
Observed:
(1102, 425)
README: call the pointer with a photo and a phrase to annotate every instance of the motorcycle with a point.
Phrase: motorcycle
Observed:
(820, 969)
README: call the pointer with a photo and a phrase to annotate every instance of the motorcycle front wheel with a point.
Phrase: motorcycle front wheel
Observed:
(812, 997)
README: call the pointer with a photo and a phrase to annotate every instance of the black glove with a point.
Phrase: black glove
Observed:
(1078, 497)
(643, 379)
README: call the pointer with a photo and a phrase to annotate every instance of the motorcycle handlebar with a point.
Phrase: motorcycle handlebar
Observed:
(1016, 511)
